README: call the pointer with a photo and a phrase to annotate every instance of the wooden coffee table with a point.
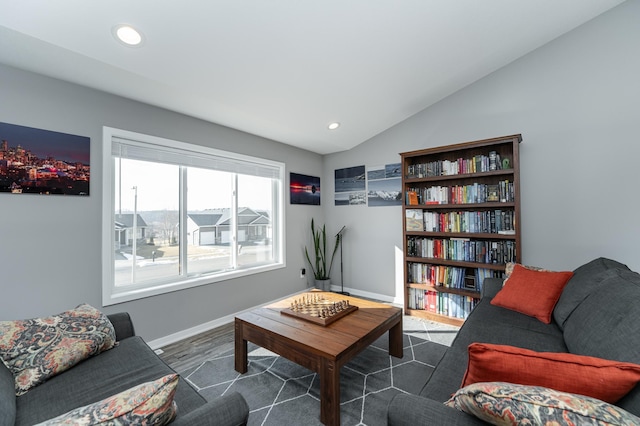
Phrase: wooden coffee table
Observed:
(323, 349)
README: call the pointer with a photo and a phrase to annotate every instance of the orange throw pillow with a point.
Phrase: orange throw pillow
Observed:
(533, 293)
(598, 378)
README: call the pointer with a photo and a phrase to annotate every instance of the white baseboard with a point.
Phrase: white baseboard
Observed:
(359, 293)
(210, 325)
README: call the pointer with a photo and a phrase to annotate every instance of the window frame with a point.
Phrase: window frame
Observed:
(113, 295)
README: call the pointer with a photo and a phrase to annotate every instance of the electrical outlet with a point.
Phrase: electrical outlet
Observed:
(303, 272)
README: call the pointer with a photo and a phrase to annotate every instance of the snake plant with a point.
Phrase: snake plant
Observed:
(319, 267)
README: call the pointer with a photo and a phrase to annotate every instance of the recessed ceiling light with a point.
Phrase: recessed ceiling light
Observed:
(128, 35)
(333, 125)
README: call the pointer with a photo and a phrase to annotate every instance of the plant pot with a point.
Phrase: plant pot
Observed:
(324, 285)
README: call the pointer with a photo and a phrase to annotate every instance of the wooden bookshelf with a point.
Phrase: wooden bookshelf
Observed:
(467, 197)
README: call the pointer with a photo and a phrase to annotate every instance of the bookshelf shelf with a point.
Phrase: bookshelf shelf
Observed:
(456, 263)
(484, 236)
(478, 206)
(461, 223)
(463, 292)
(459, 176)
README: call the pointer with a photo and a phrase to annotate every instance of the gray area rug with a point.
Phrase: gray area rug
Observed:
(280, 392)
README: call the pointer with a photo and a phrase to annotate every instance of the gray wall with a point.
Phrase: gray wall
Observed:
(50, 249)
(576, 102)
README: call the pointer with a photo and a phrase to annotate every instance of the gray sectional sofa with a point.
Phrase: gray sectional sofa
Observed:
(598, 314)
(128, 364)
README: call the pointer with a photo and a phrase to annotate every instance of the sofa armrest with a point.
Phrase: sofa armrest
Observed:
(412, 410)
(491, 287)
(122, 324)
(7, 397)
(227, 410)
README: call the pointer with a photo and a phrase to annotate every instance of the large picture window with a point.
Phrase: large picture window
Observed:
(178, 215)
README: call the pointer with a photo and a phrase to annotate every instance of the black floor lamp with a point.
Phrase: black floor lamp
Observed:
(340, 236)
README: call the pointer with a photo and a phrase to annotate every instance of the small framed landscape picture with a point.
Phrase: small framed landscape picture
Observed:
(36, 161)
(350, 185)
(304, 189)
(384, 184)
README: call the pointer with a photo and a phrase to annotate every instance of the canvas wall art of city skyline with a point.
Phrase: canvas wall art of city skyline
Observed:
(38, 161)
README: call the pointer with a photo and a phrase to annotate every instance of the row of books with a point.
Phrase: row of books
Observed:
(452, 305)
(439, 276)
(470, 279)
(462, 249)
(502, 191)
(476, 164)
(489, 221)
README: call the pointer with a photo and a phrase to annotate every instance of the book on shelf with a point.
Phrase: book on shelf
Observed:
(492, 160)
(448, 304)
(506, 191)
(470, 279)
(470, 283)
(493, 193)
(414, 220)
(432, 301)
(464, 194)
(462, 249)
(482, 273)
(487, 221)
(412, 198)
(476, 164)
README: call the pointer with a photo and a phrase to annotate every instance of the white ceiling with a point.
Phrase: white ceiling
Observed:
(285, 69)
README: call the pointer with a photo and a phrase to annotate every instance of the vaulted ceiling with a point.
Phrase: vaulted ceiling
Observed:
(285, 69)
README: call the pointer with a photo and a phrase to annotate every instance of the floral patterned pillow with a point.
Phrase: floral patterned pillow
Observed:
(37, 349)
(508, 270)
(150, 403)
(501, 403)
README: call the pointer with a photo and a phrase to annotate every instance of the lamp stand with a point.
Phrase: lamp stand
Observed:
(341, 265)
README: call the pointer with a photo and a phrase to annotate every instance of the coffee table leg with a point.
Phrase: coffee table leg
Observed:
(395, 340)
(329, 393)
(240, 357)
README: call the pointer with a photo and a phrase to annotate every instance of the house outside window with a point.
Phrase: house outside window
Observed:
(178, 215)
(123, 224)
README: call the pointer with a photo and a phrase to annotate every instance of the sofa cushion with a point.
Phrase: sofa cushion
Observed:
(606, 323)
(579, 374)
(148, 403)
(127, 365)
(37, 349)
(532, 292)
(490, 324)
(230, 409)
(512, 404)
(412, 410)
(598, 265)
(585, 280)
